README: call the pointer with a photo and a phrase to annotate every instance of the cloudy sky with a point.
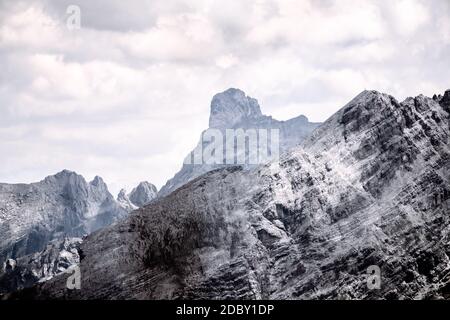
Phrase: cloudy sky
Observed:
(127, 95)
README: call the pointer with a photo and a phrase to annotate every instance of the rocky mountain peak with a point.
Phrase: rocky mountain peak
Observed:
(232, 109)
(143, 194)
(99, 185)
(64, 176)
(365, 110)
(61, 205)
(71, 184)
(445, 101)
(447, 94)
(98, 181)
(125, 202)
(122, 195)
(65, 172)
(368, 97)
(232, 106)
(301, 119)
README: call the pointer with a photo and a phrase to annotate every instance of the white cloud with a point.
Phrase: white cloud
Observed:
(409, 15)
(128, 94)
(226, 61)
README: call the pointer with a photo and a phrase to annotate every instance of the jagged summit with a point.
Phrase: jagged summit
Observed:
(97, 181)
(232, 106)
(301, 119)
(65, 172)
(63, 175)
(233, 109)
(122, 195)
(143, 194)
(61, 205)
(125, 202)
(361, 112)
(443, 100)
(368, 95)
(440, 96)
(69, 183)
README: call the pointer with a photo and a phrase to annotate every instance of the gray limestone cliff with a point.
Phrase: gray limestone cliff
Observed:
(369, 187)
(143, 194)
(60, 206)
(232, 109)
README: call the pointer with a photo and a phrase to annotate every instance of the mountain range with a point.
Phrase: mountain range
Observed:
(369, 189)
(36, 218)
(69, 208)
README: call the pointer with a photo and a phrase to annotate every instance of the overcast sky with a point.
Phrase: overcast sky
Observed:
(127, 95)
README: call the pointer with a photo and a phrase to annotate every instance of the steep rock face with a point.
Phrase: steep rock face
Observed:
(443, 100)
(63, 205)
(58, 257)
(124, 201)
(143, 194)
(370, 187)
(398, 153)
(381, 140)
(232, 109)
